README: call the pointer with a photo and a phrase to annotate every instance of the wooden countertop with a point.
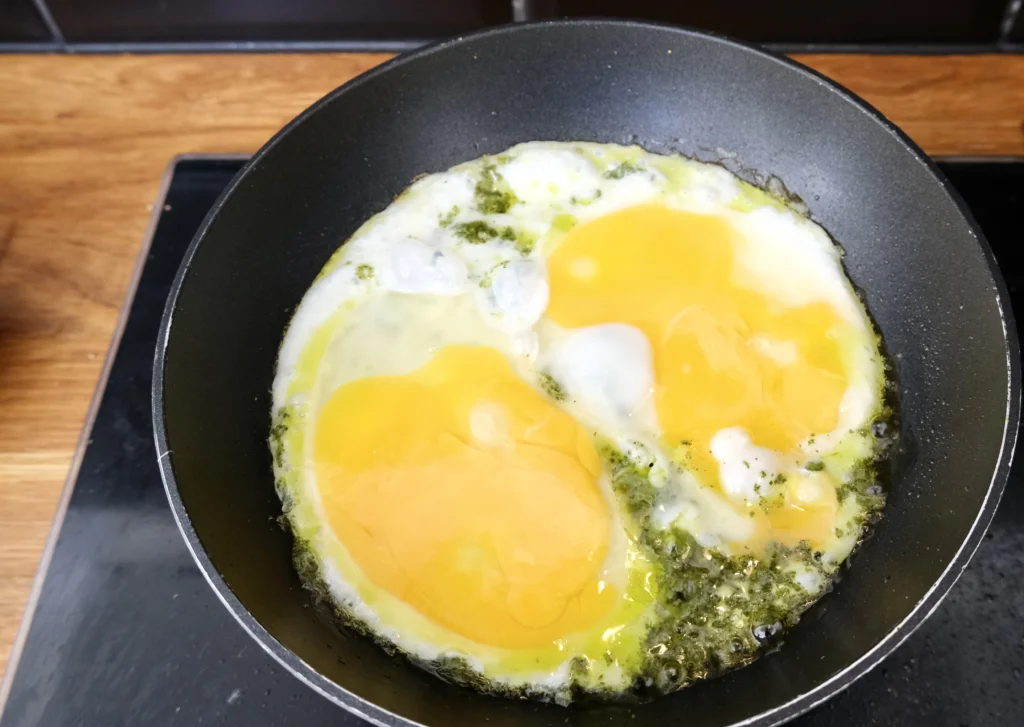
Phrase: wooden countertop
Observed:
(84, 141)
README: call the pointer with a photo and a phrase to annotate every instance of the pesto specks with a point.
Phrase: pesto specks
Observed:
(491, 194)
(714, 612)
(862, 484)
(524, 243)
(448, 217)
(477, 232)
(586, 201)
(631, 483)
(551, 387)
(487, 279)
(364, 272)
(622, 170)
(282, 420)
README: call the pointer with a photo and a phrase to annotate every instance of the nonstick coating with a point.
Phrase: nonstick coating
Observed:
(928, 277)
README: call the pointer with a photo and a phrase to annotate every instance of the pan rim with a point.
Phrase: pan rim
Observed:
(777, 715)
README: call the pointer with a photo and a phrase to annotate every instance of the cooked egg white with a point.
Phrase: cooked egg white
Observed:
(516, 404)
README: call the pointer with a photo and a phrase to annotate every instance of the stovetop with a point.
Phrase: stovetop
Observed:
(126, 632)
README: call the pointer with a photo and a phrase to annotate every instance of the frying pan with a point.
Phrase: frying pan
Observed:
(927, 275)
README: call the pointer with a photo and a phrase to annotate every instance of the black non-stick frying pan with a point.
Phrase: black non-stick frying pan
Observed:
(927, 275)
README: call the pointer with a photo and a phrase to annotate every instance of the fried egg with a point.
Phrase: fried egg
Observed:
(579, 418)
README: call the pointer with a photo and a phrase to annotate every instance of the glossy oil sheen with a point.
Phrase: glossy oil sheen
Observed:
(927, 278)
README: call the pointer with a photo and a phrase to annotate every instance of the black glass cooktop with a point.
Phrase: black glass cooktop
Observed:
(126, 632)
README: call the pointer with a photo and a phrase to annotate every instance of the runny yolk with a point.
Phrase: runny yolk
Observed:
(460, 490)
(724, 355)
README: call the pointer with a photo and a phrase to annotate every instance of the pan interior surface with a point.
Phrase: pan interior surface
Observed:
(927, 281)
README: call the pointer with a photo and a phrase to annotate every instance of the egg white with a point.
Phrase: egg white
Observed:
(406, 284)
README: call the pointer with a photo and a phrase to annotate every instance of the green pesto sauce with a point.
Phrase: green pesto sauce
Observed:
(622, 170)
(586, 201)
(285, 439)
(552, 388)
(279, 426)
(459, 671)
(449, 217)
(479, 232)
(476, 232)
(714, 612)
(862, 485)
(364, 272)
(492, 195)
(485, 281)
(525, 243)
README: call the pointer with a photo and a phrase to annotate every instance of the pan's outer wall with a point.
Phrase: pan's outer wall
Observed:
(927, 281)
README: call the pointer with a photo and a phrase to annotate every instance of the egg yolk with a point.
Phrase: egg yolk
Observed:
(724, 355)
(463, 492)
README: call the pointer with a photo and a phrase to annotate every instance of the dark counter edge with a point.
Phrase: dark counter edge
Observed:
(90, 417)
(401, 46)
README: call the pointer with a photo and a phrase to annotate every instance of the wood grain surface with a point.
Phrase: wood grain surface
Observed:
(83, 144)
